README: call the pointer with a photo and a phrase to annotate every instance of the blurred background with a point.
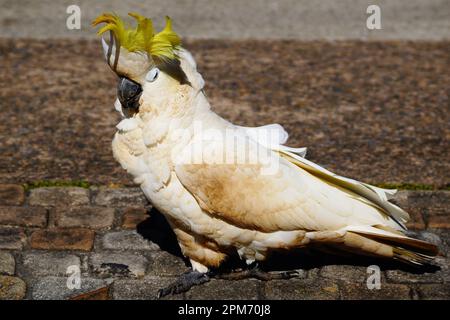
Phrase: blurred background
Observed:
(235, 19)
(369, 104)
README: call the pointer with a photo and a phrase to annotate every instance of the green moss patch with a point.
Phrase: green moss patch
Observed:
(86, 184)
(56, 183)
(405, 186)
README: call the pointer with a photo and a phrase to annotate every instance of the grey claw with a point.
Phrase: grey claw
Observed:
(184, 283)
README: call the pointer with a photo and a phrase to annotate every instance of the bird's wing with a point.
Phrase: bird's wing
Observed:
(270, 194)
(375, 196)
(273, 136)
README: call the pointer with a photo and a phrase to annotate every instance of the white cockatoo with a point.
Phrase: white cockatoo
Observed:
(227, 189)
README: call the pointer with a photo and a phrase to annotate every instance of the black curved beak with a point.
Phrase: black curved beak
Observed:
(129, 93)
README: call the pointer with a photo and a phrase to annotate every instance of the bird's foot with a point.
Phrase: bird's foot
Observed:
(184, 283)
(257, 273)
(193, 278)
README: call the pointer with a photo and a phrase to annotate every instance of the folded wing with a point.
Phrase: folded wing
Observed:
(272, 193)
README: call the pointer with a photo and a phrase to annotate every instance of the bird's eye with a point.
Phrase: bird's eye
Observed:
(152, 75)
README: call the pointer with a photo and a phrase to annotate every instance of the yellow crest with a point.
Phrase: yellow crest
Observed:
(161, 47)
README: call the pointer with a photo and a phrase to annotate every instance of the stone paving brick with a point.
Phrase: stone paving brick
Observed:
(126, 240)
(12, 238)
(434, 291)
(98, 294)
(438, 272)
(11, 195)
(23, 216)
(400, 276)
(49, 263)
(133, 216)
(227, 290)
(416, 221)
(434, 205)
(388, 291)
(429, 199)
(12, 288)
(308, 289)
(444, 235)
(122, 264)
(126, 253)
(7, 263)
(59, 196)
(63, 239)
(444, 265)
(439, 219)
(428, 236)
(354, 274)
(120, 197)
(55, 288)
(88, 217)
(145, 289)
(401, 198)
(165, 264)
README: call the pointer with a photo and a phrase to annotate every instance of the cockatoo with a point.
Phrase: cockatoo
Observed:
(227, 189)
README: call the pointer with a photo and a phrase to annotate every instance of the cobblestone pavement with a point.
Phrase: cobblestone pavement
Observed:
(128, 252)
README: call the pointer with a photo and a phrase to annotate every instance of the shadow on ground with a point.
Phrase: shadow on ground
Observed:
(157, 229)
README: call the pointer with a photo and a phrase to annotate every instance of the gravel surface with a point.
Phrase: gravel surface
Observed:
(374, 111)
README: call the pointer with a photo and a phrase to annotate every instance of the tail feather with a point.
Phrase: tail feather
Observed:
(396, 239)
(382, 241)
(408, 250)
(411, 257)
(370, 195)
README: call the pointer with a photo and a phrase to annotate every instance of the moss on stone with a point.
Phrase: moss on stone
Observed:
(406, 186)
(86, 184)
(56, 183)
